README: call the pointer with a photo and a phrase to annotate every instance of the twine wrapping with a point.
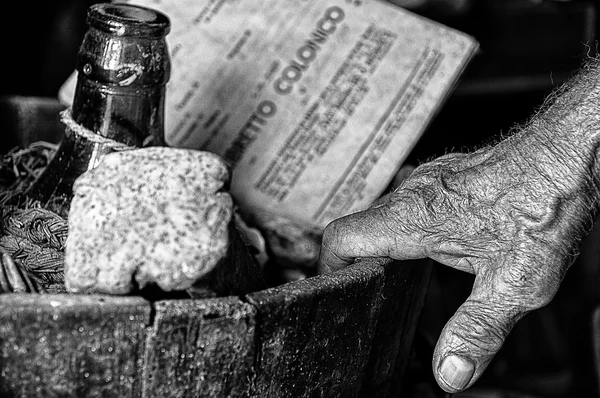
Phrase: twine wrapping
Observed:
(67, 118)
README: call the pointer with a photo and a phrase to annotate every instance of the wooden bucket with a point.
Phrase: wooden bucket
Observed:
(345, 334)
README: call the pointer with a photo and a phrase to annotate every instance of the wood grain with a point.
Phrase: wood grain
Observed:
(404, 292)
(345, 334)
(315, 334)
(71, 346)
(200, 348)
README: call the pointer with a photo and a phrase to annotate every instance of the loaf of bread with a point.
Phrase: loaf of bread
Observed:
(153, 215)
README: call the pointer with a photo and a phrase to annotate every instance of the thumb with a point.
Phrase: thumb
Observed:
(471, 338)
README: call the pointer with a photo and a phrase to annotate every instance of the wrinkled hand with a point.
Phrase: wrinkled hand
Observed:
(507, 214)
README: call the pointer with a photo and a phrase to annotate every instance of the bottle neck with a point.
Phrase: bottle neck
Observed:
(123, 66)
(130, 115)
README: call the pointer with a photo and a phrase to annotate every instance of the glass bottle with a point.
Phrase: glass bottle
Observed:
(122, 68)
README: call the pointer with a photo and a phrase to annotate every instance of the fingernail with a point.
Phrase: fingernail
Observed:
(456, 371)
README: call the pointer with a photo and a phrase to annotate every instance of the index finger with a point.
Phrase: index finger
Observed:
(369, 233)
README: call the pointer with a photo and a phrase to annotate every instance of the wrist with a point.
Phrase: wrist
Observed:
(560, 163)
(562, 141)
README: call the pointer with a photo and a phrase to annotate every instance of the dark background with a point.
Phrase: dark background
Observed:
(527, 49)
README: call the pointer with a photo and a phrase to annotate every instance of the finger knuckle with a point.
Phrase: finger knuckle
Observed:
(479, 329)
(534, 281)
(533, 293)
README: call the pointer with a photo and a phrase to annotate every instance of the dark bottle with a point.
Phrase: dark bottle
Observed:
(123, 66)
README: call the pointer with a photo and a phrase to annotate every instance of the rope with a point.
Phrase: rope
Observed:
(67, 118)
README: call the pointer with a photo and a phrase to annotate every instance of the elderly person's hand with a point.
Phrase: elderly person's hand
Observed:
(514, 214)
